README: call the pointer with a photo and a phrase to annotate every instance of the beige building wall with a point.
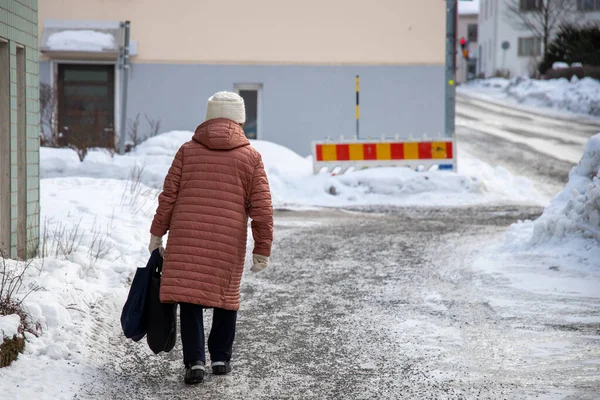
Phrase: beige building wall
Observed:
(272, 31)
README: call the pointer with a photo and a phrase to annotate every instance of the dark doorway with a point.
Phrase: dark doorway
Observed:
(86, 105)
(251, 101)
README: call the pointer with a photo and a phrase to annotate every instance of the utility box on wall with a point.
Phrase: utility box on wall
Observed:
(19, 129)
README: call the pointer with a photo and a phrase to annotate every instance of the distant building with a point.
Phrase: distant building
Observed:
(467, 29)
(505, 49)
(294, 63)
(19, 129)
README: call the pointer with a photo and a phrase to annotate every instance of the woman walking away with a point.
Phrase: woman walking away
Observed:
(217, 180)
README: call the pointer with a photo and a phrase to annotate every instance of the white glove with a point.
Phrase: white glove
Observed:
(156, 243)
(259, 262)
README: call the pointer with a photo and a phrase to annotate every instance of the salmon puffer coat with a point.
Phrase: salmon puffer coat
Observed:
(217, 180)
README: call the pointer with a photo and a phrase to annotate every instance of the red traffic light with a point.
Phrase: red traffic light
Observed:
(463, 42)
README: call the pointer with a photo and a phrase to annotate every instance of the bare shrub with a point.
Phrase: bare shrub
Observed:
(502, 73)
(135, 134)
(61, 240)
(133, 127)
(11, 282)
(154, 126)
(135, 195)
(100, 246)
(48, 115)
(11, 302)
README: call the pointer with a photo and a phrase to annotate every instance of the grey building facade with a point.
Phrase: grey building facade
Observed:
(294, 63)
(296, 104)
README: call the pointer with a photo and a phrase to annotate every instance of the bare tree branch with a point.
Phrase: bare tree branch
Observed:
(540, 17)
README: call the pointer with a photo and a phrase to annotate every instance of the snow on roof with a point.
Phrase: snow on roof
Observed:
(81, 40)
(468, 7)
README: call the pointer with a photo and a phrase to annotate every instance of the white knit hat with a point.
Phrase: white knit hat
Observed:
(226, 105)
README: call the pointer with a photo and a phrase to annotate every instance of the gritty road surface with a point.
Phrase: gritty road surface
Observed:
(378, 303)
(540, 147)
(385, 303)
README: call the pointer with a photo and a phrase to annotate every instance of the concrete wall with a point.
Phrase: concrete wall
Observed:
(299, 103)
(272, 31)
(18, 29)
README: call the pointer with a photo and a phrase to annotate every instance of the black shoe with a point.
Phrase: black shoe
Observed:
(194, 373)
(221, 367)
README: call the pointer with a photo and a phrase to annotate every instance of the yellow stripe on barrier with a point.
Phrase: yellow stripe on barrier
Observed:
(411, 151)
(384, 151)
(356, 152)
(329, 152)
(438, 150)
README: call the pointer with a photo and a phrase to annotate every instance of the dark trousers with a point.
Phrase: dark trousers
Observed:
(220, 340)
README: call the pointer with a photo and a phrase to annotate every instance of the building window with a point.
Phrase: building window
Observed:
(251, 93)
(530, 46)
(588, 5)
(472, 33)
(530, 5)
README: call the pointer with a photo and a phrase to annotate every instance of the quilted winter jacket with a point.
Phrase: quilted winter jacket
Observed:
(217, 180)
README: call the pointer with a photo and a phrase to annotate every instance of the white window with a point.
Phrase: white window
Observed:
(530, 5)
(472, 33)
(530, 46)
(588, 5)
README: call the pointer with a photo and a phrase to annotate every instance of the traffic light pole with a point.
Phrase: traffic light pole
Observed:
(451, 17)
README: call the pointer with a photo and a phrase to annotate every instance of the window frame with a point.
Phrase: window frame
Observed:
(524, 5)
(258, 87)
(469, 36)
(582, 8)
(536, 46)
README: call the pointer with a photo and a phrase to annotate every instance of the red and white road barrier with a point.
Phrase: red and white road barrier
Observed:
(359, 154)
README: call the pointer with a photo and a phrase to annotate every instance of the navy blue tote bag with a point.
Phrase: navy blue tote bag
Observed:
(134, 317)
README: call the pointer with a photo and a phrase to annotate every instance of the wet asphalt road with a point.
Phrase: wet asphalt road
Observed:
(379, 304)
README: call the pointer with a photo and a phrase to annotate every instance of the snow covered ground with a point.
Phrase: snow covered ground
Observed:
(557, 97)
(109, 210)
(294, 185)
(560, 251)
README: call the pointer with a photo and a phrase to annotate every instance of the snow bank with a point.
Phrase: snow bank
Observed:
(82, 40)
(579, 96)
(560, 65)
(293, 183)
(84, 286)
(468, 7)
(571, 222)
(9, 326)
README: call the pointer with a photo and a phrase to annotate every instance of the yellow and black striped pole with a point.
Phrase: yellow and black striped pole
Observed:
(357, 107)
